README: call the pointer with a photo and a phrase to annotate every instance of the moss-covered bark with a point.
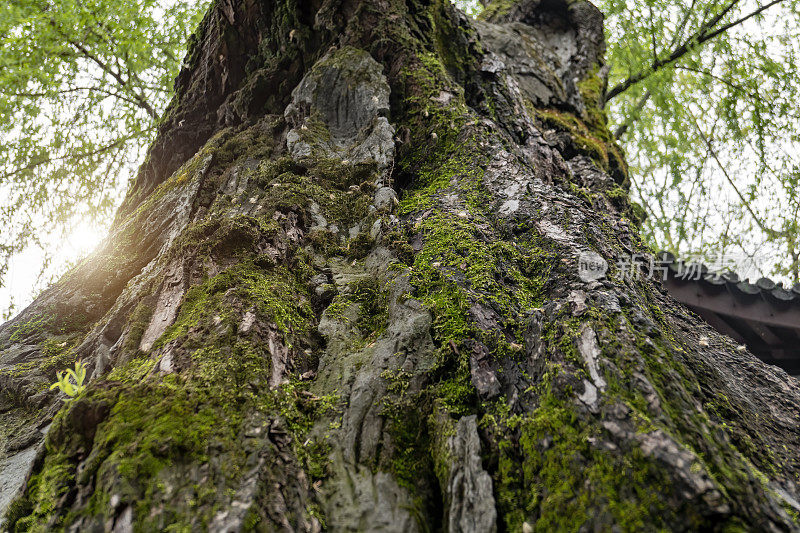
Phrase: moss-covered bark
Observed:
(349, 300)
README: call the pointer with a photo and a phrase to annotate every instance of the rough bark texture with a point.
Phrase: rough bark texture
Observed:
(343, 294)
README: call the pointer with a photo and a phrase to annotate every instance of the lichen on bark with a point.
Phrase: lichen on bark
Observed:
(350, 300)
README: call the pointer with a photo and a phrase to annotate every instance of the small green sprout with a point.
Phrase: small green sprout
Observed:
(66, 377)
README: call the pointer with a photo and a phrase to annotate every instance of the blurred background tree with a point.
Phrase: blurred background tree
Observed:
(82, 86)
(702, 97)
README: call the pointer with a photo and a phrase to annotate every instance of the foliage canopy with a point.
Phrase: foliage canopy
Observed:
(82, 86)
(703, 97)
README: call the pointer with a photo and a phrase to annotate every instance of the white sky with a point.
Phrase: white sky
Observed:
(23, 281)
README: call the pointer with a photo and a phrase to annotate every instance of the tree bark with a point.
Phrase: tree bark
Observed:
(348, 292)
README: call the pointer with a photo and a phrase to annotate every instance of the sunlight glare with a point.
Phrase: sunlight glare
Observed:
(79, 242)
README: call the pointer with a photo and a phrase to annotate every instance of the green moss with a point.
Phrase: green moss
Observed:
(443, 154)
(373, 313)
(302, 412)
(33, 325)
(620, 199)
(137, 324)
(275, 293)
(371, 301)
(223, 236)
(573, 478)
(458, 165)
(406, 419)
(496, 9)
(547, 466)
(660, 358)
(341, 193)
(449, 42)
(44, 490)
(156, 429)
(457, 267)
(360, 246)
(53, 321)
(133, 372)
(589, 131)
(457, 394)
(397, 240)
(594, 147)
(56, 354)
(254, 143)
(556, 478)
(187, 173)
(443, 427)
(592, 89)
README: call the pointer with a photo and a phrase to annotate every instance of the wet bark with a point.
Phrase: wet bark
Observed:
(345, 293)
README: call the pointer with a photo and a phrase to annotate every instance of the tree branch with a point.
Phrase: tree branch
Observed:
(704, 34)
(633, 116)
(734, 86)
(141, 101)
(69, 90)
(769, 231)
(102, 149)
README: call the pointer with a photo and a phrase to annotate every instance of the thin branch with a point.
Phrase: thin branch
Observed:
(704, 34)
(682, 26)
(117, 76)
(653, 34)
(33, 164)
(735, 86)
(141, 101)
(769, 231)
(632, 116)
(101, 90)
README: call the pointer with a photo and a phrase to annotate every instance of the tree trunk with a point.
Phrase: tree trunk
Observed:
(358, 285)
